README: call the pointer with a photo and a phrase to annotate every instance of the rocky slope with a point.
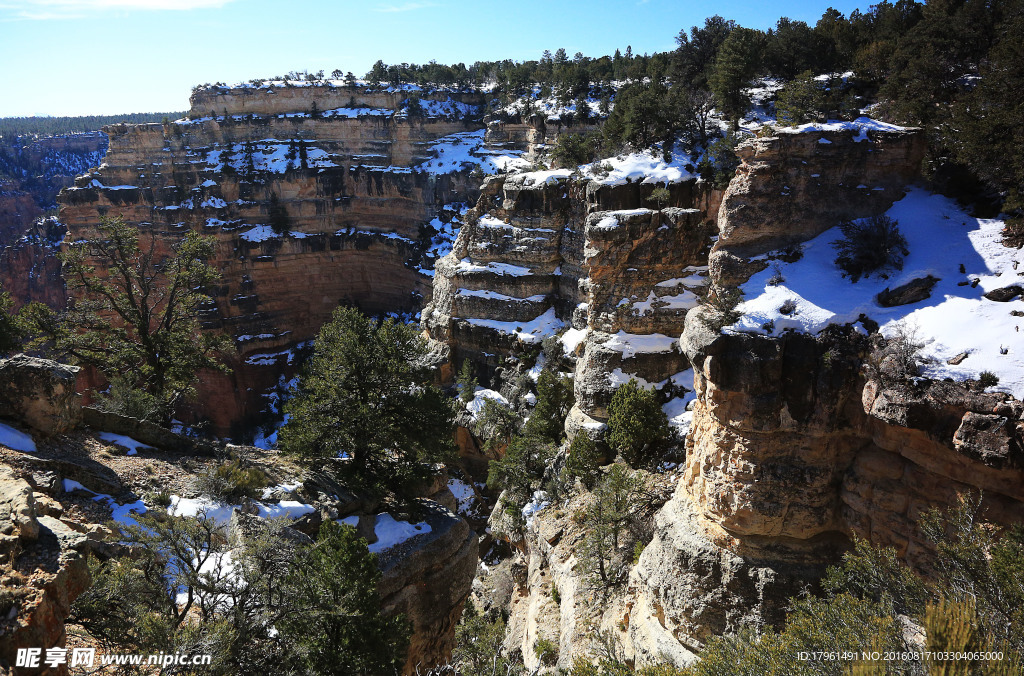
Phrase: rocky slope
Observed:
(61, 480)
(794, 447)
(316, 195)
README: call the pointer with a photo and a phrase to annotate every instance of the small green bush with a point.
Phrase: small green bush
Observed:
(988, 379)
(232, 481)
(583, 460)
(871, 245)
(546, 650)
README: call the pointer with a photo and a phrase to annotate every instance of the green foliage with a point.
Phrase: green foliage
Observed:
(718, 165)
(642, 117)
(496, 423)
(140, 321)
(478, 646)
(466, 382)
(123, 398)
(660, 196)
(546, 650)
(520, 469)
(872, 245)
(340, 629)
(610, 517)
(695, 55)
(572, 150)
(583, 460)
(554, 400)
(12, 326)
(277, 215)
(806, 99)
(876, 574)
(735, 66)
(231, 481)
(637, 427)
(49, 126)
(367, 392)
(178, 592)
(987, 379)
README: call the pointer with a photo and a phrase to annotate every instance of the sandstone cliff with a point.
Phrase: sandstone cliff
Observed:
(795, 448)
(588, 256)
(316, 195)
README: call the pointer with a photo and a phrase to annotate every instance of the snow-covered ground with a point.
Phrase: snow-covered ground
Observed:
(16, 439)
(476, 404)
(465, 150)
(122, 514)
(132, 445)
(956, 318)
(391, 532)
(532, 331)
(642, 167)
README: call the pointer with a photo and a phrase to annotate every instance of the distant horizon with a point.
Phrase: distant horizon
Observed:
(103, 57)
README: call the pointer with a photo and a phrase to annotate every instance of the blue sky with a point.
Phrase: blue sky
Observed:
(82, 57)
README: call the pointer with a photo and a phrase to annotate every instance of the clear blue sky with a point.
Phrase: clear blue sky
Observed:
(82, 57)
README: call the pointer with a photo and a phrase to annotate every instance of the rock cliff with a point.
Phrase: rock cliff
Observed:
(795, 448)
(316, 195)
(591, 257)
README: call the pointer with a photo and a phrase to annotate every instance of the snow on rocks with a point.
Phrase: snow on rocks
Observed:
(859, 127)
(539, 502)
(16, 439)
(465, 150)
(642, 167)
(132, 445)
(631, 344)
(476, 405)
(391, 532)
(527, 332)
(955, 319)
(122, 514)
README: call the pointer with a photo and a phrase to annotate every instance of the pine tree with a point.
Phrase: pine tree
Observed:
(637, 427)
(734, 68)
(341, 630)
(141, 320)
(367, 394)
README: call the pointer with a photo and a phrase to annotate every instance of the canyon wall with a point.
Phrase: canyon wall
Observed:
(593, 258)
(794, 448)
(315, 195)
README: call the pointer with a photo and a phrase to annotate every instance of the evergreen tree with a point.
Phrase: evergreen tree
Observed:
(366, 393)
(140, 321)
(554, 400)
(637, 427)
(465, 382)
(736, 64)
(696, 53)
(12, 330)
(340, 630)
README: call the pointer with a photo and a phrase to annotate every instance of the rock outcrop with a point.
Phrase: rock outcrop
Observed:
(40, 393)
(427, 579)
(792, 186)
(547, 252)
(315, 195)
(44, 569)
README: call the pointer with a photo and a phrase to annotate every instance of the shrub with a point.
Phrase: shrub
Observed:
(232, 481)
(871, 245)
(546, 650)
(660, 196)
(572, 150)
(610, 519)
(720, 161)
(637, 427)
(123, 398)
(720, 304)
(895, 360)
(478, 645)
(582, 460)
(554, 400)
(496, 423)
(988, 379)
(465, 382)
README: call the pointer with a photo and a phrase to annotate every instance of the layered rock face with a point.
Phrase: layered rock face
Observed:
(793, 449)
(544, 252)
(29, 268)
(793, 186)
(316, 195)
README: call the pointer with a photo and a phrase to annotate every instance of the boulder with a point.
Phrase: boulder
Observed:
(912, 292)
(41, 393)
(1006, 293)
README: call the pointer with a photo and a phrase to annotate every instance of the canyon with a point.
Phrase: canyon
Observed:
(402, 201)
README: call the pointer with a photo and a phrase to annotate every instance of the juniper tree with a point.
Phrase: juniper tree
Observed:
(134, 312)
(367, 393)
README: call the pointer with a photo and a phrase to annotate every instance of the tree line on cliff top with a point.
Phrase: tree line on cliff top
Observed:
(955, 67)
